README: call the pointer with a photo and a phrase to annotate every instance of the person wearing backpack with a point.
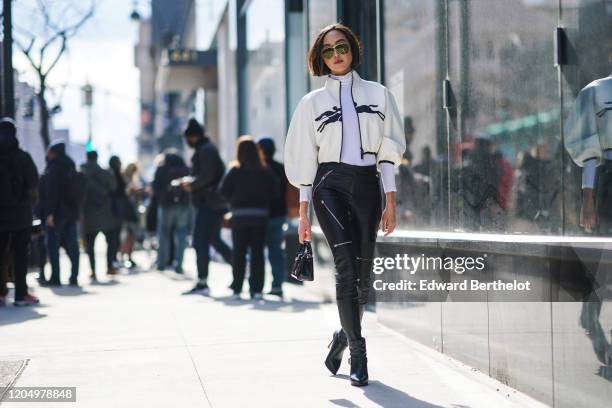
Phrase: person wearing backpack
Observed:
(173, 211)
(98, 213)
(62, 199)
(18, 180)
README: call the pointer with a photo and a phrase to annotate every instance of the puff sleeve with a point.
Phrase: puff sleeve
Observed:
(393, 143)
(581, 137)
(301, 151)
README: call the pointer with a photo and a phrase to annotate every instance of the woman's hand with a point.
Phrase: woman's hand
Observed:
(51, 221)
(304, 229)
(388, 221)
(186, 186)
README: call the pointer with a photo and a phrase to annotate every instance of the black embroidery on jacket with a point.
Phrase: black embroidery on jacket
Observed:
(335, 115)
(368, 109)
(331, 116)
(603, 111)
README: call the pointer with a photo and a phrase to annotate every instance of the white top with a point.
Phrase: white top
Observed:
(351, 143)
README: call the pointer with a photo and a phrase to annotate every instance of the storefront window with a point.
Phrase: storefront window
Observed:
(265, 88)
(588, 28)
(506, 152)
(414, 68)
(580, 335)
(321, 13)
(492, 161)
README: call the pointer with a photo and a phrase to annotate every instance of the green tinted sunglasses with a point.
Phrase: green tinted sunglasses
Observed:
(341, 49)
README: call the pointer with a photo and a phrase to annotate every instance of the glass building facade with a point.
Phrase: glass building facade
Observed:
(484, 88)
(482, 100)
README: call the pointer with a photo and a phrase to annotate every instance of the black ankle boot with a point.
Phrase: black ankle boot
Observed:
(336, 349)
(359, 363)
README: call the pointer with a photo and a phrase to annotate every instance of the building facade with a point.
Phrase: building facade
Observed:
(27, 119)
(172, 75)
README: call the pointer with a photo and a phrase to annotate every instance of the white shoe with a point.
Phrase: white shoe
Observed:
(236, 296)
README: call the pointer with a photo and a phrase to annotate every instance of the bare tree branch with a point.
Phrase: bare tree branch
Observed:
(53, 33)
(42, 6)
(26, 52)
(69, 31)
(59, 54)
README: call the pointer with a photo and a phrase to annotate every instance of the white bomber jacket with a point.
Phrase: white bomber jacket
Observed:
(588, 129)
(315, 131)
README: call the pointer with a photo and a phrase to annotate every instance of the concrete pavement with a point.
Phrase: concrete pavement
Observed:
(136, 341)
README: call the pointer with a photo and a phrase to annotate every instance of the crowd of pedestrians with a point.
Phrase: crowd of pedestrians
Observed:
(77, 204)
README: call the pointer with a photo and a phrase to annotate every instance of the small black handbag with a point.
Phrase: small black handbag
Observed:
(303, 269)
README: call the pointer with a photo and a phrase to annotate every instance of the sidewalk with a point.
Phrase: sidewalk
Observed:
(136, 341)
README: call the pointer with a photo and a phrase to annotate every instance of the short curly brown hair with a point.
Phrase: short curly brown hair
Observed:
(316, 65)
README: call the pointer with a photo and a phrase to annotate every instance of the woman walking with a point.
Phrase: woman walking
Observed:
(249, 187)
(135, 191)
(340, 137)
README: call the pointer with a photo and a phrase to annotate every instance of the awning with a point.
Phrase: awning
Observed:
(187, 70)
(522, 124)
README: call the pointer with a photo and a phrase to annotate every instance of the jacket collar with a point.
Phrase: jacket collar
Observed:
(202, 142)
(332, 85)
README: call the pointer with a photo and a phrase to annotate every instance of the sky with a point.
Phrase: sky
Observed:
(103, 54)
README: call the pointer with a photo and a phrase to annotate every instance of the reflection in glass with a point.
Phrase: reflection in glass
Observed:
(504, 129)
(582, 332)
(266, 71)
(414, 66)
(321, 13)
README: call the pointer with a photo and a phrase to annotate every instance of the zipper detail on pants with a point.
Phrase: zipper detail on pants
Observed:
(342, 243)
(332, 214)
(320, 181)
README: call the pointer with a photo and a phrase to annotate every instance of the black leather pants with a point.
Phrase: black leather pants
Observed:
(348, 203)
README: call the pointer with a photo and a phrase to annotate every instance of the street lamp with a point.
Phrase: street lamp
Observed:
(135, 15)
(87, 90)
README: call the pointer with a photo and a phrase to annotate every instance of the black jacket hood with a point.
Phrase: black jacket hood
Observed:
(172, 159)
(8, 143)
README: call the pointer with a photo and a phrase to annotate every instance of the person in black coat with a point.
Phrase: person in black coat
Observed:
(207, 170)
(18, 183)
(249, 186)
(173, 211)
(61, 211)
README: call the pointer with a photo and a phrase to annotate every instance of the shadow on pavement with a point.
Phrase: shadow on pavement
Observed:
(385, 396)
(70, 291)
(179, 277)
(13, 315)
(292, 306)
(344, 403)
(107, 283)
